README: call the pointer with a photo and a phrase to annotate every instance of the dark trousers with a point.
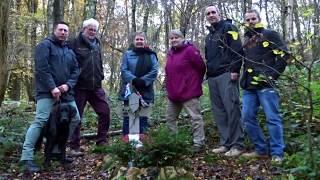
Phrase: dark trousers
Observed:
(224, 96)
(97, 99)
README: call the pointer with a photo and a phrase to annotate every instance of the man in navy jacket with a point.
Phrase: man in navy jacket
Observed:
(56, 74)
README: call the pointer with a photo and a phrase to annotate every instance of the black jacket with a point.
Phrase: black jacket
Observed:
(90, 63)
(55, 64)
(265, 60)
(223, 52)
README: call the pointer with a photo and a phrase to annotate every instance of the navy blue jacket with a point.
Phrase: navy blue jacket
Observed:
(222, 51)
(55, 64)
(266, 55)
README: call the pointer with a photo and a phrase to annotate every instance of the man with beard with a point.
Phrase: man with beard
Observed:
(223, 52)
(87, 48)
(265, 60)
(139, 69)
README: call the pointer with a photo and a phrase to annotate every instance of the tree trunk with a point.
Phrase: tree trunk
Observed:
(55, 12)
(4, 11)
(298, 28)
(90, 9)
(133, 15)
(146, 16)
(186, 16)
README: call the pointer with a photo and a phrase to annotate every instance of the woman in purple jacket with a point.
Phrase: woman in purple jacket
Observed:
(184, 74)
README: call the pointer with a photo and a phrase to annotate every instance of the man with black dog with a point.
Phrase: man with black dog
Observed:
(87, 48)
(56, 73)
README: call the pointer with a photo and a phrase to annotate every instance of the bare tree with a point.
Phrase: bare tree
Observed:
(90, 9)
(4, 11)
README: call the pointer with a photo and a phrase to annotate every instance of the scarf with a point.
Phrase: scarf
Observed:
(144, 64)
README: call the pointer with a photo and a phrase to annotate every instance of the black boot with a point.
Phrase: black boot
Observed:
(30, 166)
(58, 157)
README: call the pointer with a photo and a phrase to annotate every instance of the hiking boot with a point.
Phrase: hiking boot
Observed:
(221, 149)
(75, 153)
(30, 166)
(233, 152)
(276, 159)
(197, 148)
(57, 157)
(253, 154)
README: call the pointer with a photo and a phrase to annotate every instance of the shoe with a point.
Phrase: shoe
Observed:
(57, 157)
(101, 143)
(30, 166)
(75, 153)
(221, 149)
(197, 148)
(253, 154)
(233, 152)
(276, 159)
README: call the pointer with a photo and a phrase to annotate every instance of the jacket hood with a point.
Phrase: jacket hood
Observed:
(55, 40)
(218, 25)
(253, 31)
(184, 44)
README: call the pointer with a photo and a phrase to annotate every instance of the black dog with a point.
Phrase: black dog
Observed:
(56, 132)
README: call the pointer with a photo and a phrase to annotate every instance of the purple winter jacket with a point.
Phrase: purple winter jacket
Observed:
(184, 73)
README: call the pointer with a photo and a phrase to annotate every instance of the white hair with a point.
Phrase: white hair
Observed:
(90, 21)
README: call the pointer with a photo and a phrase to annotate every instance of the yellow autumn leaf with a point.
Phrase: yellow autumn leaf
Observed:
(250, 70)
(276, 51)
(258, 25)
(298, 57)
(265, 44)
(255, 78)
(234, 34)
(282, 53)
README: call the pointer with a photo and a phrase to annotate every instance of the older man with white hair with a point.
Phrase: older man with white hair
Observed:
(89, 87)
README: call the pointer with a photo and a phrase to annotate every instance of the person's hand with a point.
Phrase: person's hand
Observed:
(138, 83)
(56, 93)
(63, 88)
(234, 76)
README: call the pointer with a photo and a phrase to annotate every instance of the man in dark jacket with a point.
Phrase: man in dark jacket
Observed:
(89, 86)
(223, 52)
(265, 60)
(56, 74)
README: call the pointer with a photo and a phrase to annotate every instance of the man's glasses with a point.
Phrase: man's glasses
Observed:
(252, 19)
(92, 30)
(211, 12)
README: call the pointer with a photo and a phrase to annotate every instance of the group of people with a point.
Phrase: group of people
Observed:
(72, 71)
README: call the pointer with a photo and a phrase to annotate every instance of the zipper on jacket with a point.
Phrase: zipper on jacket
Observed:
(91, 51)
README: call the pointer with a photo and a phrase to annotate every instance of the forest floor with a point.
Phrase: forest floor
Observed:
(91, 166)
(13, 123)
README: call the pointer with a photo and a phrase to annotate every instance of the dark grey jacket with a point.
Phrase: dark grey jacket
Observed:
(90, 62)
(266, 55)
(55, 64)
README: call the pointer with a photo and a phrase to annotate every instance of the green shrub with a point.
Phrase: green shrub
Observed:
(299, 164)
(160, 148)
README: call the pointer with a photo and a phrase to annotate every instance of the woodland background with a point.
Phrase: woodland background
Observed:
(23, 23)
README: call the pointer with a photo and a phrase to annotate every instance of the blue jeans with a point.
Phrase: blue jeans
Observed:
(43, 110)
(268, 98)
